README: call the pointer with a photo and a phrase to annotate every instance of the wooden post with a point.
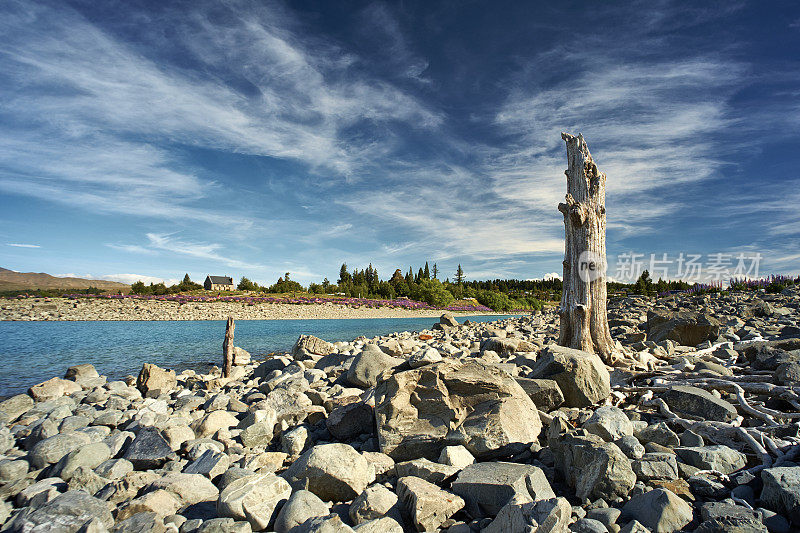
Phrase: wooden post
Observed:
(227, 348)
(584, 323)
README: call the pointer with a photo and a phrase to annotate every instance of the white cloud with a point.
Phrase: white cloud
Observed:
(133, 278)
(94, 109)
(548, 276)
(74, 275)
(123, 278)
(447, 214)
(132, 248)
(107, 125)
(209, 251)
(18, 245)
(648, 124)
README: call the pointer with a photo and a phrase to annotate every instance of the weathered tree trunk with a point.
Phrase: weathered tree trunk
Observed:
(584, 324)
(227, 348)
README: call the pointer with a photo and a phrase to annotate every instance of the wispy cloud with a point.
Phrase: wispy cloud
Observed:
(19, 245)
(132, 248)
(649, 124)
(382, 25)
(208, 251)
(237, 132)
(100, 106)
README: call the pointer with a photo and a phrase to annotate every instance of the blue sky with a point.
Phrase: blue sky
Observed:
(148, 139)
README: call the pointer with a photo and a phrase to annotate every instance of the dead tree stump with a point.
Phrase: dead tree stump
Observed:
(227, 348)
(584, 323)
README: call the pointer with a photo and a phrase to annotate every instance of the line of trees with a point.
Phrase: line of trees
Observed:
(159, 289)
(647, 287)
(424, 285)
(283, 285)
(421, 285)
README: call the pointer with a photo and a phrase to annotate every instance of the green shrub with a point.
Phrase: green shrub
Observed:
(432, 292)
(246, 285)
(775, 287)
(286, 286)
(494, 300)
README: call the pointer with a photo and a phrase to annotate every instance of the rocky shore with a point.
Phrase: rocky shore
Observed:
(83, 309)
(476, 427)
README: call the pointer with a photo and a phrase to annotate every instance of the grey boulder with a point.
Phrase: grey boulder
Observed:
(255, 499)
(581, 376)
(427, 505)
(609, 423)
(593, 467)
(521, 515)
(718, 457)
(66, 513)
(148, 450)
(334, 472)
(419, 412)
(312, 345)
(660, 510)
(487, 487)
(688, 328)
(545, 393)
(301, 506)
(52, 449)
(781, 491)
(369, 364)
(695, 402)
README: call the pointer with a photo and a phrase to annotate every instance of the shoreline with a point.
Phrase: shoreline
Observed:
(89, 310)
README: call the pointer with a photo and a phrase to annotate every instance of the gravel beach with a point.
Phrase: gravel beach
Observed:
(461, 428)
(134, 309)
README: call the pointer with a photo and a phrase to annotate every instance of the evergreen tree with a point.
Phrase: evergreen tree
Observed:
(187, 285)
(138, 288)
(410, 276)
(386, 290)
(644, 285)
(426, 273)
(246, 285)
(460, 275)
(373, 281)
(435, 271)
(661, 286)
(344, 276)
(359, 277)
(420, 276)
(397, 277)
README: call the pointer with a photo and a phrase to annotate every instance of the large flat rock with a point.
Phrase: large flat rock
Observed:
(421, 411)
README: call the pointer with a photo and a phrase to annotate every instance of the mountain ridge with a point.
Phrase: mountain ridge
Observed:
(13, 280)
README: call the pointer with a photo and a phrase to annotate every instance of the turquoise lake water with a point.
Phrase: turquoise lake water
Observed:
(32, 352)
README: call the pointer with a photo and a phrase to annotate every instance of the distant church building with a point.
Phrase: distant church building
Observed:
(218, 283)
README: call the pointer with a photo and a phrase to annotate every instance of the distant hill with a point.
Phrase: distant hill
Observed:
(11, 280)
